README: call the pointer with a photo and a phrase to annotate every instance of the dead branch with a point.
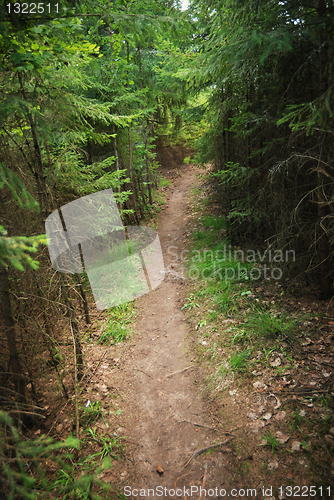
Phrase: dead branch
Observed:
(203, 450)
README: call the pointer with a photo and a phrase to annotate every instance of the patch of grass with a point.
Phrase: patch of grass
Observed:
(270, 326)
(210, 261)
(325, 400)
(241, 337)
(296, 420)
(325, 425)
(118, 327)
(215, 223)
(190, 303)
(90, 413)
(245, 468)
(239, 361)
(224, 298)
(213, 350)
(267, 353)
(110, 445)
(271, 441)
(163, 182)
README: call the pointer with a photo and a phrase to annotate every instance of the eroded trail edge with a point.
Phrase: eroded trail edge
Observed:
(166, 416)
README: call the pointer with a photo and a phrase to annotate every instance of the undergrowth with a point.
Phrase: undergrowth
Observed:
(44, 468)
(225, 294)
(118, 326)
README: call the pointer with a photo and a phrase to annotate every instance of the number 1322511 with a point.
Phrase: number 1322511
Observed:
(32, 8)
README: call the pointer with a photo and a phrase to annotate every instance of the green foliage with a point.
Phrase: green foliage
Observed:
(268, 134)
(213, 222)
(239, 360)
(271, 441)
(110, 446)
(18, 191)
(234, 174)
(15, 249)
(118, 326)
(163, 182)
(296, 420)
(26, 466)
(190, 303)
(272, 326)
(90, 413)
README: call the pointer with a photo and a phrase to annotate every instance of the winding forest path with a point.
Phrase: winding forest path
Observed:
(162, 407)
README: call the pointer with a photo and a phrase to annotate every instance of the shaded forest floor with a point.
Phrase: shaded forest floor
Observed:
(189, 378)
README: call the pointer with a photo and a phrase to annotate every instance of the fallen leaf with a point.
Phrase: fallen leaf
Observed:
(159, 469)
(295, 446)
(280, 415)
(259, 385)
(329, 439)
(252, 416)
(278, 403)
(282, 438)
(255, 427)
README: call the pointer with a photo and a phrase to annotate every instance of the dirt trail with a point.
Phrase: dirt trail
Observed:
(163, 407)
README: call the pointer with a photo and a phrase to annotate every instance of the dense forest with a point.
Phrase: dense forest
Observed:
(93, 96)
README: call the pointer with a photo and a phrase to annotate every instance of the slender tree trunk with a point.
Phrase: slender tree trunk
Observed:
(144, 135)
(323, 242)
(39, 172)
(14, 360)
(84, 298)
(48, 335)
(71, 312)
(73, 325)
(132, 179)
(116, 161)
(148, 181)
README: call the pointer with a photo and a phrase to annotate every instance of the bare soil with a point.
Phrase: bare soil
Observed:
(165, 412)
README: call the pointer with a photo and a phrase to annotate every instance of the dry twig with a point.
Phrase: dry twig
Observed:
(142, 371)
(149, 366)
(203, 450)
(197, 425)
(183, 475)
(204, 479)
(178, 371)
